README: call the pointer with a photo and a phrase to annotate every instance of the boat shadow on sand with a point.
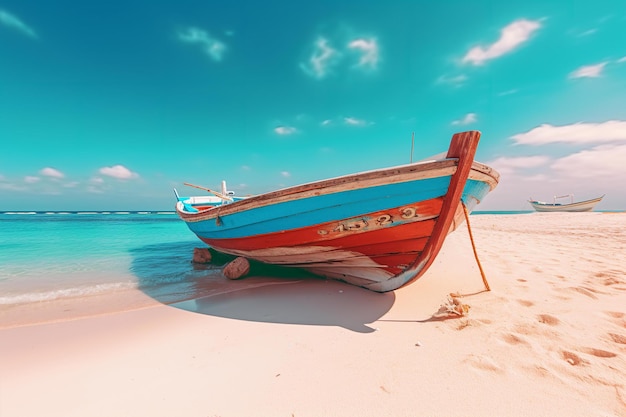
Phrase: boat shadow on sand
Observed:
(269, 294)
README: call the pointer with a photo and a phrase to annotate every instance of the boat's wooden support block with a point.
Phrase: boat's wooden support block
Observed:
(201, 256)
(237, 268)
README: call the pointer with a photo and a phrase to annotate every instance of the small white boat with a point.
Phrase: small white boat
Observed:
(572, 206)
(199, 203)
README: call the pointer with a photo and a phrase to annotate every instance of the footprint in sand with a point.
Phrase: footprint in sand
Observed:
(585, 291)
(484, 363)
(572, 358)
(526, 303)
(534, 329)
(611, 281)
(618, 338)
(540, 371)
(548, 319)
(592, 284)
(513, 339)
(610, 277)
(598, 352)
(618, 317)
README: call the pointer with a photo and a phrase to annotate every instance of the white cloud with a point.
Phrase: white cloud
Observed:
(609, 131)
(352, 121)
(588, 71)
(285, 174)
(118, 171)
(94, 190)
(588, 32)
(322, 58)
(285, 130)
(52, 173)
(327, 122)
(622, 59)
(455, 81)
(213, 47)
(468, 119)
(11, 21)
(369, 52)
(11, 187)
(508, 165)
(508, 92)
(511, 37)
(31, 180)
(604, 161)
(521, 161)
(535, 178)
(325, 58)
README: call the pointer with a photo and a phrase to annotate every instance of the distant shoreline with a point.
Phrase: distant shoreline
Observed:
(171, 212)
(86, 212)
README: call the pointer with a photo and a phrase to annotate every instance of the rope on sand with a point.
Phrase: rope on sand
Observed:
(469, 229)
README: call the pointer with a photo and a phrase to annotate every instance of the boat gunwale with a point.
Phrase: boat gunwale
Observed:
(405, 173)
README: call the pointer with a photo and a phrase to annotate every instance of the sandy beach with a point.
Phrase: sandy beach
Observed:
(549, 339)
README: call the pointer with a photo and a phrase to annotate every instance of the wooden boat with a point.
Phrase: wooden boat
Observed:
(572, 206)
(378, 229)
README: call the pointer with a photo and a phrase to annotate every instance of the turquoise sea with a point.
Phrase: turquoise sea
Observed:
(53, 255)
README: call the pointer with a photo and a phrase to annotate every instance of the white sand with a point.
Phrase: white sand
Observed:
(548, 340)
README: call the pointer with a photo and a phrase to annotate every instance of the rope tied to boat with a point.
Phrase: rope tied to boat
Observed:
(469, 229)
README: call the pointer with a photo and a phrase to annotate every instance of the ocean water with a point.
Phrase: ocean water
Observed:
(55, 255)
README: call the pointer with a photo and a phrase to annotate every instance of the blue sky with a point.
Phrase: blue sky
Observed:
(108, 105)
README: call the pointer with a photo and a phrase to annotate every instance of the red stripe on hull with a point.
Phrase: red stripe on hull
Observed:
(404, 238)
(369, 229)
(393, 248)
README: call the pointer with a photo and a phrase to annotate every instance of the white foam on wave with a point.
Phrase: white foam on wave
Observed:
(34, 297)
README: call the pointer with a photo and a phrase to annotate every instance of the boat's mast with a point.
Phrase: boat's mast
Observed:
(412, 144)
